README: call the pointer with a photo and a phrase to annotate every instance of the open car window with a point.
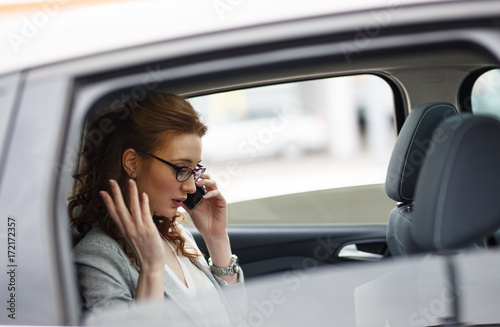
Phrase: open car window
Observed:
(326, 142)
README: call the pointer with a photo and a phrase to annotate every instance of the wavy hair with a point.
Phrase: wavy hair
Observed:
(140, 125)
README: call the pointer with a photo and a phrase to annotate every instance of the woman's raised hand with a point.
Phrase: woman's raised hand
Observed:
(210, 216)
(136, 225)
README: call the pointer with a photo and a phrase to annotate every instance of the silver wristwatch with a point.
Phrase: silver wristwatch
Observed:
(233, 268)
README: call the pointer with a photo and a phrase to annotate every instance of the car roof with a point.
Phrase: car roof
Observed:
(40, 33)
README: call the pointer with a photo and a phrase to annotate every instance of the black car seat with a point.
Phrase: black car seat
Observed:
(456, 197)
(404, 166)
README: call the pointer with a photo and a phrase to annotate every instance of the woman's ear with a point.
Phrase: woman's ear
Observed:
(130, 162)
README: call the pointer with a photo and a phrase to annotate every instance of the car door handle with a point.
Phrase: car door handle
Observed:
(351, 251)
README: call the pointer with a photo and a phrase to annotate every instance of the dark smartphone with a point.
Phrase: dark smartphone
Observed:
(193, 199)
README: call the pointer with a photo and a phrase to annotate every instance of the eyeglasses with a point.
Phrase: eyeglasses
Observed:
(183, 173)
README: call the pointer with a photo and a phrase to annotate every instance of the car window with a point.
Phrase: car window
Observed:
(306, 139)
(485, 97)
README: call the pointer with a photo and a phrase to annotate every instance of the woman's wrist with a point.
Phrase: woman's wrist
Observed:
(152, 270)
(219, 249)
(150, 284)
(216, 240)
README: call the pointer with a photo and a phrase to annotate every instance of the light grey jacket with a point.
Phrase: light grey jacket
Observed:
(108, 280)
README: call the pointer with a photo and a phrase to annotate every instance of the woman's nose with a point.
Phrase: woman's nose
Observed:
(189, 186)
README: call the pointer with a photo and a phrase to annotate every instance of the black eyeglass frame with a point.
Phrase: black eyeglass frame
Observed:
(193, 172)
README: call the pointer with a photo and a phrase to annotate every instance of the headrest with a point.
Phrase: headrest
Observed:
(457, 195)
(411, 146)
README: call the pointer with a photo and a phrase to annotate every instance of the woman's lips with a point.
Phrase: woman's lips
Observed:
(178, 202)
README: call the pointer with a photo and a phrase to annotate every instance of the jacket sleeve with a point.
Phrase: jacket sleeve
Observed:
(106, 277)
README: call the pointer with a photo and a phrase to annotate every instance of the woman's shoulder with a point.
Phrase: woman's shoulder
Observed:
(97, 243)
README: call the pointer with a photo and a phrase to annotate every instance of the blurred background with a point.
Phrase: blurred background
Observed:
(298, 137)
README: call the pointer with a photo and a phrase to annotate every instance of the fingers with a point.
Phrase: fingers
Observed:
(205, 176)
(136, 225)
(146, 213)
(212, 194)
(211, 187)
(119, 203)
(135, 208)
(207, 182)
(128, 221)
(108, 201)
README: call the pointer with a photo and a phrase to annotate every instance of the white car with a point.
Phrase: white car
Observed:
(62, 61)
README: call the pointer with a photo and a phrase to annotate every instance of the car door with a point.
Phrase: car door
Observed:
(278, 226)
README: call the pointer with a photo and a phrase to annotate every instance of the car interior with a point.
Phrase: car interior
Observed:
(402, 173)
(457, 178)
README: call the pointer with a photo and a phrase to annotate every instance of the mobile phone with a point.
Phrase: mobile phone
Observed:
(193, 199)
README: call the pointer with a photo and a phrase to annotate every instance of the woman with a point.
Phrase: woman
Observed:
(132, 245)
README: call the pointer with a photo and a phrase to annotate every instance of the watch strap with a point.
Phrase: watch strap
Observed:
(233, 268)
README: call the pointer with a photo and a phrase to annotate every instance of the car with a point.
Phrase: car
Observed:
(307, 220)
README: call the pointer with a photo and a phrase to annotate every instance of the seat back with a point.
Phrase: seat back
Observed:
(456, 198)
(407, 158)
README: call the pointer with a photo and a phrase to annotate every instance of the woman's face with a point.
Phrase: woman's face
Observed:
(158, 180)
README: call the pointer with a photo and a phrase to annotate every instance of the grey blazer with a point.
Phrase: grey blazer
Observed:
(108, 280)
